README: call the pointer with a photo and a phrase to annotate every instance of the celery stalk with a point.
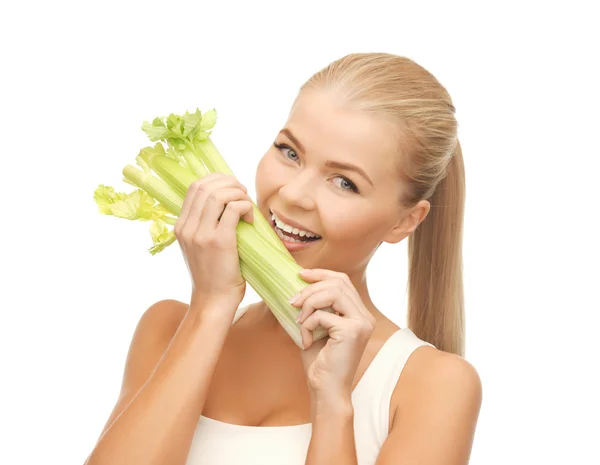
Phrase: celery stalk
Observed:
(211, 157)
(175, 175)
(197, 167)
(155, 187)
(264, 228)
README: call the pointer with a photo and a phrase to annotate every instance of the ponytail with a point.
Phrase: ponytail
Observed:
(435, 282)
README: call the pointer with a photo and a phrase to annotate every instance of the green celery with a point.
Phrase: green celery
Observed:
(265, 263)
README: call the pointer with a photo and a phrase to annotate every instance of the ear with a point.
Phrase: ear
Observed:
(408, 223)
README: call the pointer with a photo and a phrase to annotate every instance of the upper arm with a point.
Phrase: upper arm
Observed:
(435, 423)
(151, 338)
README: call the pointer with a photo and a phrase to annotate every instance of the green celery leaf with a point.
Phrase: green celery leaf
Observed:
(175, 124)
(158, 122)
(191, 124)
(177, 144)
(209, 119)
(160, 210)
(161, 236)
(105, 197)
(159, 148)
(153, 132)
(173, 153)
(138, 205)
(202, 135)
(158, 230)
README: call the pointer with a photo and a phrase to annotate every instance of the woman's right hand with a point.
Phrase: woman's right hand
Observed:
(206, 233)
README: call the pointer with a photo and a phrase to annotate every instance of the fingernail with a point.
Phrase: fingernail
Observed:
(305, 271)
(293, 299)
(298, 317)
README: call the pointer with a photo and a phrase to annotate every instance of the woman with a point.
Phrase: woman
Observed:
(369, 154)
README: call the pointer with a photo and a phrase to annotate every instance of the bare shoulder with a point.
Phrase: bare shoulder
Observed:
(162, 319)
(434, 381)
(430, 365)
(155, 329)
(438, 400)
(153, 333)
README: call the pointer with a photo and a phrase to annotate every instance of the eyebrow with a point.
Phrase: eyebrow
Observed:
(329, 163)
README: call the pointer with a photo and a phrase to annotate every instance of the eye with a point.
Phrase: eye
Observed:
(283, 146)
(348, 183)
(352, 186)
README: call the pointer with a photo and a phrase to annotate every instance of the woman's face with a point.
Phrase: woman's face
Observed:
(353, 213)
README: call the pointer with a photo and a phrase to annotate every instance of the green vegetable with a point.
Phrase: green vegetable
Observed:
(162, 183)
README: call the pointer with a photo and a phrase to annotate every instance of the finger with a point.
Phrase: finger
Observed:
(205, 186)
(320, 318)
(231, 217)
(331, 298)
(228, 180)
(318, 275)
(310, 290)
(246, 213)
(190, 196)
(193, 219)
(214, 205)
(187, 204)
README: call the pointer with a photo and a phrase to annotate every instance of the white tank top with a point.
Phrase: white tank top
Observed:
(219, 443)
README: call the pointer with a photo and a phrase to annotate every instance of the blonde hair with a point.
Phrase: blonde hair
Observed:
(431, 164)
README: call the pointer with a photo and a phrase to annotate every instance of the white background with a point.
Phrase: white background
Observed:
(79, 78)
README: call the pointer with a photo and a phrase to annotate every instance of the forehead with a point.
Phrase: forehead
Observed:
(328, 130)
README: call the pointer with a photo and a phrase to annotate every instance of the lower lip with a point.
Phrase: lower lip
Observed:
(293, 246)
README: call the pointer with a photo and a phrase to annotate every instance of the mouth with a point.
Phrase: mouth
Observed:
(291, 234)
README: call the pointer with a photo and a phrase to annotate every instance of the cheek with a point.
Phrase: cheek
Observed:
(259, 177)
(268, 172)
(353, 222)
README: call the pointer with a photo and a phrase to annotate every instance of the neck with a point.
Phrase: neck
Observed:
(359, 280)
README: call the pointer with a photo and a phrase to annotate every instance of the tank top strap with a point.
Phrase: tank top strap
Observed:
(373, 394)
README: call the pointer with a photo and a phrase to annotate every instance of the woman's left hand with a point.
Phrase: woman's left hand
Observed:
(330, 364)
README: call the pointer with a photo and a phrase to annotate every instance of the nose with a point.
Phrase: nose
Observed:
(298, 191)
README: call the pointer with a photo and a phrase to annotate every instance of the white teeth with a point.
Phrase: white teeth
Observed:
(283, 237)
(281, 225)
